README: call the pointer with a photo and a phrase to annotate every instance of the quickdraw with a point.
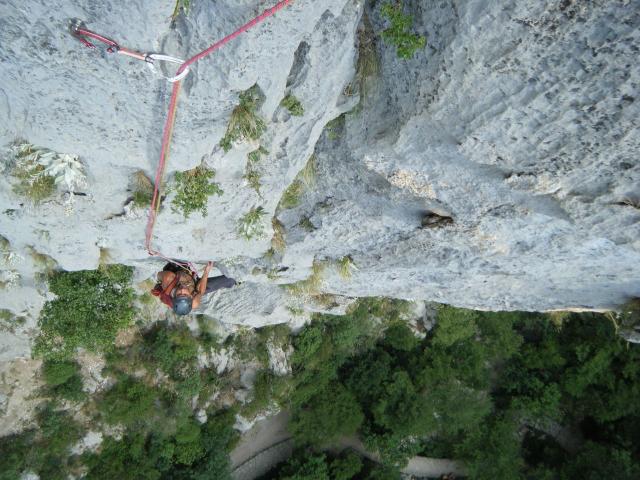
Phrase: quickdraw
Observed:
(78, 29)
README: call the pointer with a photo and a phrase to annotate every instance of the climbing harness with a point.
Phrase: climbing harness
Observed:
(80, 31)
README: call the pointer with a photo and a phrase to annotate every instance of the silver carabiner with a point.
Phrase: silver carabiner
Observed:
(153, 57)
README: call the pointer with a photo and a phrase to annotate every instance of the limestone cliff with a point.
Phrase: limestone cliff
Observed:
(496, 169)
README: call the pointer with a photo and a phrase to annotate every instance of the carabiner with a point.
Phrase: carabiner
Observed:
(78, 29)
(153, 57)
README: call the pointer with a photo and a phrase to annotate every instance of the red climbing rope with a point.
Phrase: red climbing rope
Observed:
(168, 126)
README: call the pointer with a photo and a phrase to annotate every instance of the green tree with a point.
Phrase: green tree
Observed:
(128, 402)
(328, 415)
(90, 307)
(345, 467)
(454, 325)
(596, 461)
(400, 337)
(63, 379)
(308, 467)
(135, 456)
(492, 451)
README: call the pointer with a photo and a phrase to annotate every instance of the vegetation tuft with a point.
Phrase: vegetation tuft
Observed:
(193, 188)
(33, 180)
(292, 104)
(399, 32)
(345, 266)
(251, 225)
(245, 123)
(252, 172)
(291, 196)
(311, 285)
(142, 190)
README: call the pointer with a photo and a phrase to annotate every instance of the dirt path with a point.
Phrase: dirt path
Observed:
(269, 443)
(262, 447)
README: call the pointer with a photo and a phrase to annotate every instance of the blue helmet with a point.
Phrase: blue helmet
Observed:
(182, 304)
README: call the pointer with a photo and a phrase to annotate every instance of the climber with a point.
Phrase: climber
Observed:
(179, 288)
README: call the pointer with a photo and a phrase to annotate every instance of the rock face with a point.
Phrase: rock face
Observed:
(497, 169)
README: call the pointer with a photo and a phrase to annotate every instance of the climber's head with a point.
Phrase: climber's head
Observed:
(182, 304)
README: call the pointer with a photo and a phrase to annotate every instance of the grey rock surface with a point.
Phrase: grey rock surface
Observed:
(518, 122)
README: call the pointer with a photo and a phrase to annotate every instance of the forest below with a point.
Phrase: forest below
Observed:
(508, 395)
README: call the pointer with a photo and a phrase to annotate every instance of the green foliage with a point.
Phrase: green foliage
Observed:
(188, 443)
(193, 188)
(400, 337)
(311, 285)
(142, 199)
(9, 322)
(267, 388)
(394, 450)
(335, 128)
(307, 464)
(193, 451)
(292, 104)
(128, 402)
(252, 172)
(58, 432)
(493, 451)
(454, 325)
(345, 266)
(399, 32)
(327, 416)
(63, 379)
(250, 224)
(173, 349)
(252, 176)
(256, 155)
(346, 467)
(596, 461)
(245, 123)
(91, 306)
(17, 454)
(291, 196)
(46, 453)
(33, 182)
(311, 467)
(306, 224)
(142, 189)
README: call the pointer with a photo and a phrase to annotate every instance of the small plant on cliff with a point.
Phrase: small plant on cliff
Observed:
(40, 171)
(291, 196)
(142, 188)
(252, 173)
(292, 104)
(345, 266)
(34, 183)
(250, 224)
(245, 122)
(399, 33)
(193, 188)
(311, 285)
